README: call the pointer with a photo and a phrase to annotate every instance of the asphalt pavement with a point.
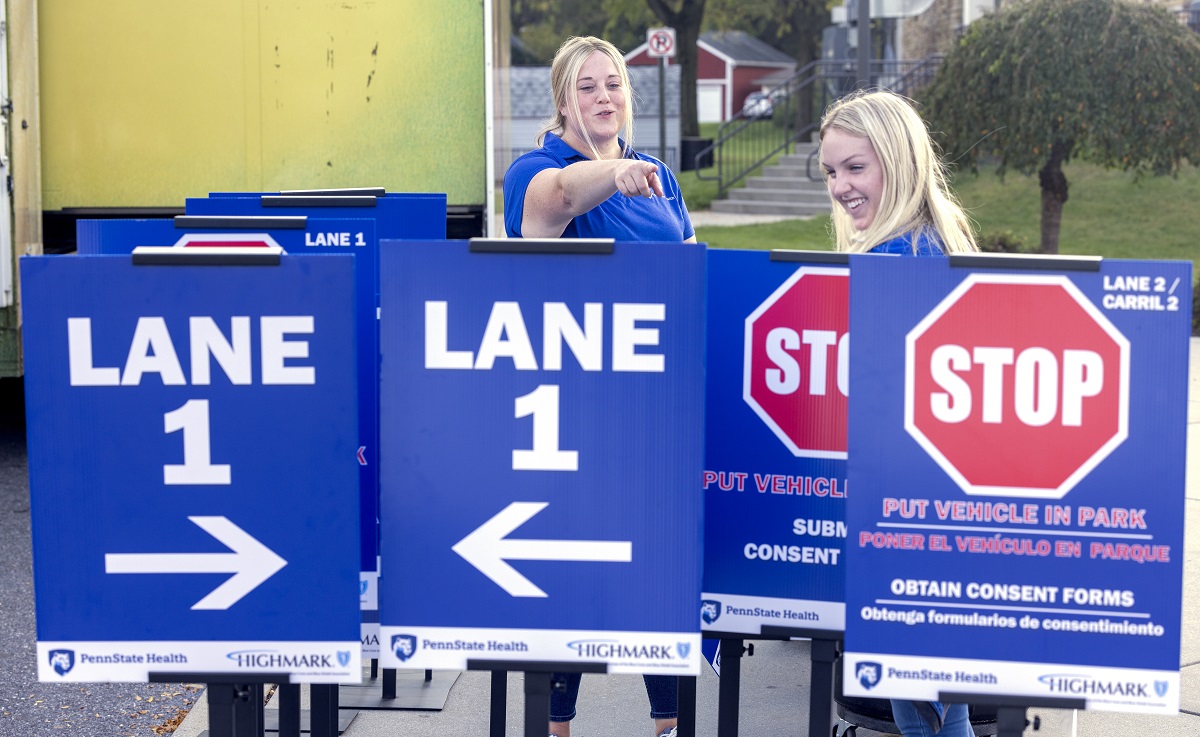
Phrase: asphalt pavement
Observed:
(774, 680)
(29, 708)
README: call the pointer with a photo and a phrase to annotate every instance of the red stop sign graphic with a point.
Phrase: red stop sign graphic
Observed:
(796, 353)
(1017, 385)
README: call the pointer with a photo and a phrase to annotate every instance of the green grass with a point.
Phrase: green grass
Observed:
(808, 235)
(1107, 214)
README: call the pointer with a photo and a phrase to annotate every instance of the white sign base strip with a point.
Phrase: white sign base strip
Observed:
(370, 640)
(747, 614)
(449, 648)
(922, 678)
(306, 662)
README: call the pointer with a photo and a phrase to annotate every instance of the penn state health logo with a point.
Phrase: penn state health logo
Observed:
(404, 646)
(710, 610)
(62, 661)
(868, 674)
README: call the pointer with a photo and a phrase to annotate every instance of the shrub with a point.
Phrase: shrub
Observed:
(1196, 308)
(1003, 241)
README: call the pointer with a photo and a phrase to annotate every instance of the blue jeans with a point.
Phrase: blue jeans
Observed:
(663, 692)
(957, 723)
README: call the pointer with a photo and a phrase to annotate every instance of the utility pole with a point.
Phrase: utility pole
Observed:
(864, 44)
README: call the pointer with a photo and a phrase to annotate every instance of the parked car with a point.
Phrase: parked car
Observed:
(757, 106)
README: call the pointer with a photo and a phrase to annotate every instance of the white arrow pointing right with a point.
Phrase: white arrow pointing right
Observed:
(251, 562)
(487, 549)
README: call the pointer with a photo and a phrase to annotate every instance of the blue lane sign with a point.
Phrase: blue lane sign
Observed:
(543, 421)
(1006, 427)
(775, 459)
(298, 235)
(192, 507)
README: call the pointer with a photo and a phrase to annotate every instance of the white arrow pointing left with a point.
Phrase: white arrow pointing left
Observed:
(488, 547)
(251, 562)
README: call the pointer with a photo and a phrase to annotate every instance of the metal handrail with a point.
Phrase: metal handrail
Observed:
(744, 144)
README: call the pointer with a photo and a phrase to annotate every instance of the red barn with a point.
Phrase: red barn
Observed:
(730, 65)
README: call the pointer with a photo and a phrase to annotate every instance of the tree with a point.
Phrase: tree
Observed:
(792, 26)
(1045, 81)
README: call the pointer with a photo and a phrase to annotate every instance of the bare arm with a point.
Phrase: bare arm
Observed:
(555, 196)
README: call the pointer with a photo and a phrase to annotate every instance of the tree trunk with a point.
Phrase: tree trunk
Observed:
(686, 22)
(1054, 195)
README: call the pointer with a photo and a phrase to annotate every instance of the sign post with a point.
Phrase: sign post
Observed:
(660, 44)
(1005, 426)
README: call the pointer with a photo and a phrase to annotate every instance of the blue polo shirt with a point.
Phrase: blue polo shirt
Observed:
(928, 244)
(619, 217)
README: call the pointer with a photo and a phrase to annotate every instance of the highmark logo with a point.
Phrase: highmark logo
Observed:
(868, 673)
(1081, 685)
(273, 659)
(404, 646)
(343, 658)
(615, 650)
(62, 661)
(710, 610)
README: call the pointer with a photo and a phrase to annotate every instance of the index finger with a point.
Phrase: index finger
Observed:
(656, 184)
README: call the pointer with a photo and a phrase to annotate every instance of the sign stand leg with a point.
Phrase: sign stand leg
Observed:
(1010, 709)
(323, 710)
(289, 709)
(537, 690)
(1010, 721)
(687, 706)
(235, 709)
(220, 709)
(253, 716)
(389, 683)
(537, 703)
(235, 702)
(820, 705)
(729, 694)
(499, 703)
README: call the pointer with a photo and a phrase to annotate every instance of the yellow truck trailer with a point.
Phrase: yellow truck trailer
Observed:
(125, 108)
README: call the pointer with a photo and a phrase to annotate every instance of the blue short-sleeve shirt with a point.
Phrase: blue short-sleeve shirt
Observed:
(927, 245)
(619, 217)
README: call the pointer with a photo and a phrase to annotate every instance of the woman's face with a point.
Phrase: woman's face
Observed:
(602, 102)
(853, 174)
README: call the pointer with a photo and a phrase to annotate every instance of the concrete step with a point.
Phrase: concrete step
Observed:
(784, 188)
(751, 207)
(796, 171)
(798, 184)
(799, 158)
(765, 194)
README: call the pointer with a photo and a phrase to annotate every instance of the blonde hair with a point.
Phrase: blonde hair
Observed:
(564, 71)
(915, 196)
